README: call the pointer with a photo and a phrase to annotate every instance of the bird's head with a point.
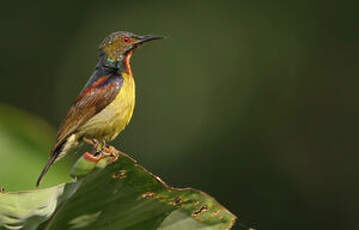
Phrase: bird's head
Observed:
(118, 47)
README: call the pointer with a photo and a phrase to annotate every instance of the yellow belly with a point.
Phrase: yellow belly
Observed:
(108, 123)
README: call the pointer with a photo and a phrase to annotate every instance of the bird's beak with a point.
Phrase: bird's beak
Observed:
(147, 38)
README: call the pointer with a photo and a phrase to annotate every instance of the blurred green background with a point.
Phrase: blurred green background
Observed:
(254, 102)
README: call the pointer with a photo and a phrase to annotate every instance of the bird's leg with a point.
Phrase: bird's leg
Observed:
(92, 142)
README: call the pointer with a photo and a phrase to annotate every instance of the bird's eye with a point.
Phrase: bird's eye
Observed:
(126, 39)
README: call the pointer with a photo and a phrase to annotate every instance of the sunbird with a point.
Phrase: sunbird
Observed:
(106, 103)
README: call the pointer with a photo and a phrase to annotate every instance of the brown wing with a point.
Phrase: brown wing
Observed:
(91, 101)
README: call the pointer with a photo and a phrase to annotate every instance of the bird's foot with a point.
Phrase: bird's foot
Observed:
(101, 155)
(108, 151)
(104, 150)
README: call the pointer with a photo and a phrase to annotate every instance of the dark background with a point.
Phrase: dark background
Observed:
(255, 103)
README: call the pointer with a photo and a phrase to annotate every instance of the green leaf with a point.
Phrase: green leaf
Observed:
(103, 195)
(121, 195)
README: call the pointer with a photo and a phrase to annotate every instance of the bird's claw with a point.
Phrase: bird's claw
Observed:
(108, 152)
(102, 150)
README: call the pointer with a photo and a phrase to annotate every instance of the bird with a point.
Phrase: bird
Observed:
(105, 105)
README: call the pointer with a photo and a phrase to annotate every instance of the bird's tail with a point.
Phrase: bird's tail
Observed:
(54, 155)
